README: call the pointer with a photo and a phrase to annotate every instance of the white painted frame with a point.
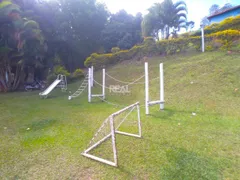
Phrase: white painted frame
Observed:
(90, 85)
(147, 101)
(112, 135)
(203, 40)
(92, 76)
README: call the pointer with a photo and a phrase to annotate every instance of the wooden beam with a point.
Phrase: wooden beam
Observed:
(126, 108)
(155, 102)
(99, 142)
(100, 159)
(128, 134)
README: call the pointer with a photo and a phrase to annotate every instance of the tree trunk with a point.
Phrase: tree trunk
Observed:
(3, 85)
(18, 77)
(162, 33)
(5, 78)
(167, 32)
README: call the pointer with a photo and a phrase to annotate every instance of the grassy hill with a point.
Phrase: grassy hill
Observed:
(43, 139)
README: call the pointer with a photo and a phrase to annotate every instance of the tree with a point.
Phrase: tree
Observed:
(165, 17)
(72, 28)
(33, 33)
(153, 22)
(122, 30)
(190, 25)
(226, 7)
(214, 9)
(21, 45)
(205, 21)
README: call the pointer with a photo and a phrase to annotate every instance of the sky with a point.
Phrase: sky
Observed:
(197, 9)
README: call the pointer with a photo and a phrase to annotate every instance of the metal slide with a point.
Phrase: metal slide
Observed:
(45, 93)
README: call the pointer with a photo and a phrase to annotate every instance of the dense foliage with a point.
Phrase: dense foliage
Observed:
(228, 23)
(37, 37)
(215, 8)
(165, 18)
(40, 39)
(223, 40)
(122, 30)
(22, 46)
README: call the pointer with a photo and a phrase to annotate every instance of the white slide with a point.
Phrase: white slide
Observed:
(50, 88)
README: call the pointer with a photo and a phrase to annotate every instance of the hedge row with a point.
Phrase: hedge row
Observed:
(220, 40)
(228, 23)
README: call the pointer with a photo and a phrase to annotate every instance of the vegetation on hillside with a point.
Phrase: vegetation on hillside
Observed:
(223, 40)
(38, 37)
(43, 139)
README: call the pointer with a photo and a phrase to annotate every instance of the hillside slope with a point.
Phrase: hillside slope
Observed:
(176, 144)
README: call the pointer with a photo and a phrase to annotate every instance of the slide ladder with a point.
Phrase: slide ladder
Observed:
(80, 89)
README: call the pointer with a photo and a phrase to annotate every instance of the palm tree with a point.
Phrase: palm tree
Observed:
(165, 17)
(152, 23)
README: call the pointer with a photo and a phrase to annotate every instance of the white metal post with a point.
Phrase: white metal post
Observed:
(146, 88)
(139, 121)
(203, 45)
(161, 86)
(92, 77)
(103, 85)
(89, 85)
(113, 140)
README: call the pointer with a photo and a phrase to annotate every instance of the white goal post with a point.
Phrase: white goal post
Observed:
(112, 134)
(147, 101)
(92, 76)
(90, 85)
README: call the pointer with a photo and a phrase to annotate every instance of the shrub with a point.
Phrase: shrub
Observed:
(57, 70)
(219, 40)
(99, 60)
(78, 74)
(228, 23)
(50, 78)
(115, 49)
(122, 55)
(148, 41)
(227, 38)
(217, 43)
(60, 70)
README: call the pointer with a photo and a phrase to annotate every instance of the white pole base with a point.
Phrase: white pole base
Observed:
(161, 106)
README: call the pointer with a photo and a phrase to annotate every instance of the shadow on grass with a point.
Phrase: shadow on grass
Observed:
(183, 164)
(39, 125)
(168, 113)
(39, 133)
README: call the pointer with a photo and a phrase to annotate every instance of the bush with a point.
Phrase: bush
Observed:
(232, 23)
(60, 70)
(220, 40)
(50, 78)
(115, 49)
(148, 41)
(57, 70)
(78, 74)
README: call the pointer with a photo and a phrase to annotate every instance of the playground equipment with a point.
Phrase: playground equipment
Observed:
(147, 101)
(80, 89)
(109, 129)
(90, 84)
(61, 81)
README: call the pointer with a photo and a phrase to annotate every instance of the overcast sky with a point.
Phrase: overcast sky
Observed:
(196, 8)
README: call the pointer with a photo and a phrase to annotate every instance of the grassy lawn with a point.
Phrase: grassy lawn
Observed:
(43, 138)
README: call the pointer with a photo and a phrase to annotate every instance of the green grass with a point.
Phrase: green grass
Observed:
(175, 144)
